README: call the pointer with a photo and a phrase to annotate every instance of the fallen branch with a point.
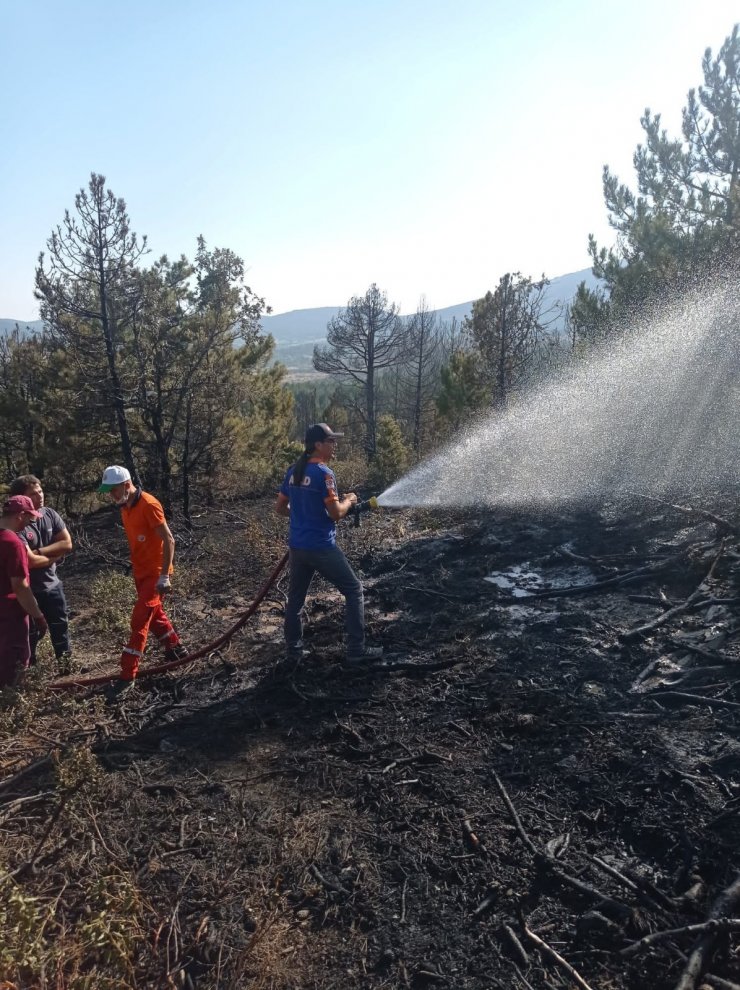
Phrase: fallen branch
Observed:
(31, 863)
(519, 950)
(646, 672)
(711, 979)
(607, 904)
(514, 816)
(612, 872)
(691, 511)
(31, 768)
(717, 702)
(664, 617)
(716, 926)
(409, 668)
(548, 951)
(329, 884)
(590, 561)
(470, 839)
(488, 901)
(702, 951)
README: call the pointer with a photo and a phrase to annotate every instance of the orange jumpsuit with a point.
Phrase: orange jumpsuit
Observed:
(146, 547)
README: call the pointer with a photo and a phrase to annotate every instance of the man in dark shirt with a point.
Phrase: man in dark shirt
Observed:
(16, 598)
(49, 536)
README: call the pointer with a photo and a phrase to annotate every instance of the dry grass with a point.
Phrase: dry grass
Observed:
(136, 890)
(112, 596)
(78, 922)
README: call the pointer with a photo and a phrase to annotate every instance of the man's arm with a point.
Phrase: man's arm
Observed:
(62, 545)
(163, 531)
(22, 591)
(339, 507)
(38, 560)
(282, 505)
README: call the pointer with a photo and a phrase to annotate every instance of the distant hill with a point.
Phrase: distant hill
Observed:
(8, 326)
(298, 331)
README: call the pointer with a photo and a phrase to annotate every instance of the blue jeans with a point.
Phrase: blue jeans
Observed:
(53, 604)
(332, 565)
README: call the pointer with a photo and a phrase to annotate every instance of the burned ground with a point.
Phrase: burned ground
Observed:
(517, 769)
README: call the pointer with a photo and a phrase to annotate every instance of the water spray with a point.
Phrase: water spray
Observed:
(653, 411)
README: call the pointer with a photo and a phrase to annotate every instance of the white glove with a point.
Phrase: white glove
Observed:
(163, 583)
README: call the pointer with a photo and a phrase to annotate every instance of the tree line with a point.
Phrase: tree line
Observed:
(161, 367)
(165, 367)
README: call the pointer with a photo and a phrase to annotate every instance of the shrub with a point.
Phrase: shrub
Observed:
(112, 595)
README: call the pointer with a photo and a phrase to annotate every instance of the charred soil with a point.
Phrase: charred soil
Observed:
(544, 769)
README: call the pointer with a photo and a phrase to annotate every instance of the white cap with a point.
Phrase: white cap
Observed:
(112, 476)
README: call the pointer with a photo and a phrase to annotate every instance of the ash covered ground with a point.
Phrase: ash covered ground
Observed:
(523, 775)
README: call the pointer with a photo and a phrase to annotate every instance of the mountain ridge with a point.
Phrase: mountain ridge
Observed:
(297, 331)
(303, 326)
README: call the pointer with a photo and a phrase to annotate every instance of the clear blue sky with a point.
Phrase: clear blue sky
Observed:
(426, 145)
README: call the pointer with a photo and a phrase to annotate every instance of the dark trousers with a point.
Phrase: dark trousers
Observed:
(54, 606)
(332, 565)
(14, 651)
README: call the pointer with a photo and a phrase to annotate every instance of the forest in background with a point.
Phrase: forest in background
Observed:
(164, 367)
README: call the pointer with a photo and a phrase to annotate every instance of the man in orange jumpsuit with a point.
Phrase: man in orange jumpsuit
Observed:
(152, 549)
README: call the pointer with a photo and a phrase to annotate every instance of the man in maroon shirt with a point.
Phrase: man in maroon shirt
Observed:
(16, 598)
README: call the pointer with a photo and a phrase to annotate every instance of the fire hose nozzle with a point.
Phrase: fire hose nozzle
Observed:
(369, 505)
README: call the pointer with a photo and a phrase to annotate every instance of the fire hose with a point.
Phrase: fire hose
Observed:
(70, 683)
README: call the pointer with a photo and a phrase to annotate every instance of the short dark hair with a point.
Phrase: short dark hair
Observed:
(21, 484)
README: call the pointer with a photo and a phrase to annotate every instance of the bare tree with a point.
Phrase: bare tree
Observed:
(363, 339)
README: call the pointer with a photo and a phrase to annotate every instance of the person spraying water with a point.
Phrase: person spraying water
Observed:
(309, 498)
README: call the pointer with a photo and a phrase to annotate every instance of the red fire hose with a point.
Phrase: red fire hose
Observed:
(159, 668)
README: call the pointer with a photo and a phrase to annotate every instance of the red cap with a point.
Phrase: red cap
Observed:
(19, 503)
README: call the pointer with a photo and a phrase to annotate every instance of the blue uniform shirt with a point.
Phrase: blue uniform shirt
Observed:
(311, 526)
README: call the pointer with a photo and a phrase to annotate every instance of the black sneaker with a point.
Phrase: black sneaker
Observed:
(118, 690)
(178, 652)
(370, 654)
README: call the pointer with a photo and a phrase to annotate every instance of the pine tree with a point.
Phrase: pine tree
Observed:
(463, 392)
(420, 374)
(191, 321)
(391, 456)
(362, 340)
(86, 288)
(507, 328)
(683, 222)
